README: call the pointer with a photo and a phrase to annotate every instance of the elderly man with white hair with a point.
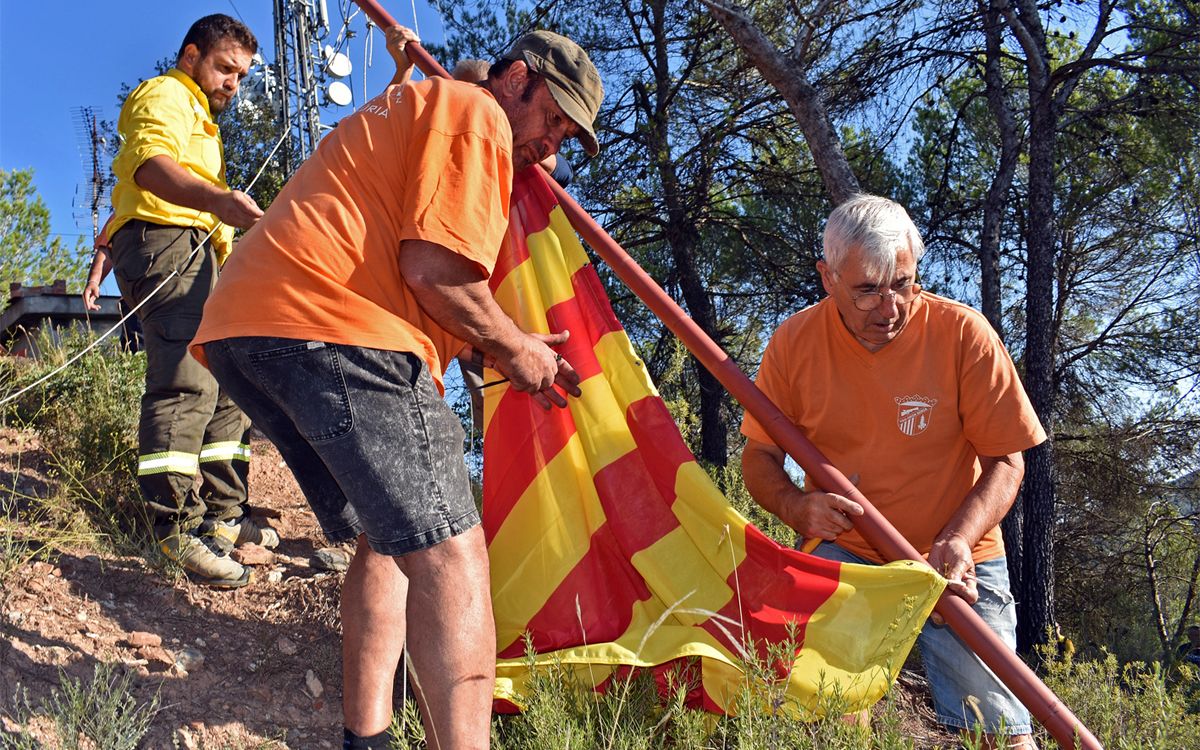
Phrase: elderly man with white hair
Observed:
(915, 395)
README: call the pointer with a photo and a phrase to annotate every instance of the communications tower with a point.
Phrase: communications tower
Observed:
(309, 71)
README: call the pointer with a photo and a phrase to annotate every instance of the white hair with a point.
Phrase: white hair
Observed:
(879, 226)
(471, 71)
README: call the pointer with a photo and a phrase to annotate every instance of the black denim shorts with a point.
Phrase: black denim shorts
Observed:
(373, 446)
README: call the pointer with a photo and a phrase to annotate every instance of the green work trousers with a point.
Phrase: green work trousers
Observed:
(188, 427)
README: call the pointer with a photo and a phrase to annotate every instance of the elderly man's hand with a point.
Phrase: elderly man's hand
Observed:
(819, 515)
(397, 38)
(950, 556)
(533, 367)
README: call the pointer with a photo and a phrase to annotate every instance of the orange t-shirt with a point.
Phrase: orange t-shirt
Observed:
(424, 161)
(910, 419)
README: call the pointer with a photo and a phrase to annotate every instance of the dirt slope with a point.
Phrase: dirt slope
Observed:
(255, 646)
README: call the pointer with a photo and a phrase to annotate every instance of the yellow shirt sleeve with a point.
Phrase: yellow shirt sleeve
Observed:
(158, 121)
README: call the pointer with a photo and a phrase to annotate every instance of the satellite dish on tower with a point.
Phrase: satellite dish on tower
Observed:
(339, 93)
(336, 63)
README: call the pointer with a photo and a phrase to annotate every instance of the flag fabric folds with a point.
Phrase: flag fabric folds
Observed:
(612, 550)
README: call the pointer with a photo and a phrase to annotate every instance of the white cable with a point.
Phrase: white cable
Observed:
(416, 24)
(149, 296)
(368, 48)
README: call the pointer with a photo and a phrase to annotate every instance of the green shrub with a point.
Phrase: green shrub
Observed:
(631, 716)
(1126, 706)
(15, 374)
(86, 417)
(562, 713)
(101, 715)
(729, 478)
(27, 532)
(17, 545)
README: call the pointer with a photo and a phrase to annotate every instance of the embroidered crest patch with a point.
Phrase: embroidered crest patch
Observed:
(913, 413)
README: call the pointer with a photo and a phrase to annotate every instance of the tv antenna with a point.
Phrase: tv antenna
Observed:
(94, 195)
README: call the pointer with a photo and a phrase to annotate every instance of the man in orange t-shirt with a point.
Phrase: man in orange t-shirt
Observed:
(331, 328)
(915, 396)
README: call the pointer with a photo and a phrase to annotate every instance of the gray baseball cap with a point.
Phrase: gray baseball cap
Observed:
(571, 77)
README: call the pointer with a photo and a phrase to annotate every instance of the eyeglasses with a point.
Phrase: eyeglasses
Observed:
(868, 301)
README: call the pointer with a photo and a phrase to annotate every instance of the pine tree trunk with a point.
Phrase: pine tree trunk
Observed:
(684, 239)
(996, 199)
(1036, 609)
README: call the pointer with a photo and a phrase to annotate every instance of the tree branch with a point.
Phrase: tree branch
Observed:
(802, 98)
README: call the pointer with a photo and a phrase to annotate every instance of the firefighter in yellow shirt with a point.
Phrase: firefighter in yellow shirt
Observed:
(170, 196)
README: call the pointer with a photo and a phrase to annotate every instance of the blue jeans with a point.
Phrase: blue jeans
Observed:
(966, 693)
(374, 447)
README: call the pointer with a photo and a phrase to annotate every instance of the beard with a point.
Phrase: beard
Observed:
(218, 101)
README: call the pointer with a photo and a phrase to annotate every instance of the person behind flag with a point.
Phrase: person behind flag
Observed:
(170, 195)
(916, 395)
(332, 326)
(131, 329)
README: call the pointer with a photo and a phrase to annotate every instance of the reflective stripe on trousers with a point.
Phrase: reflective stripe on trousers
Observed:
(229, 450)
(168, 461)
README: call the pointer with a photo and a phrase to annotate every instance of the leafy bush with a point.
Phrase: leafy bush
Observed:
(1128, 706)
(630, 716)
(86, 417)
(103, 714)
(729, 479)
(563, 713)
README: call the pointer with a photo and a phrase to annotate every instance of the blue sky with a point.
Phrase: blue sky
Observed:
(58, 56)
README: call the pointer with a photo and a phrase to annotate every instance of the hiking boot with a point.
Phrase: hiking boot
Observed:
(204, 564)
(245, 531)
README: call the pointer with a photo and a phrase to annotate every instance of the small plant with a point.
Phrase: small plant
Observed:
(264, 744)
(101, 715)
(28, 530)
(1126, 706)
(86, 417)
(561, 711)
(16, 545)
(407, 731)
(729, 479)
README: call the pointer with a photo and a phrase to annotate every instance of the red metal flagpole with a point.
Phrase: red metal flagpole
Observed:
(1039, 699)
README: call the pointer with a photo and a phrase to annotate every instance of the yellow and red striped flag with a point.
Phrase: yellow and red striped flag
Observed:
(612, 549)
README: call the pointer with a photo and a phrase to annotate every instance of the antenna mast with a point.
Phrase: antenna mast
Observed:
(298, 26)
(97, 179)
